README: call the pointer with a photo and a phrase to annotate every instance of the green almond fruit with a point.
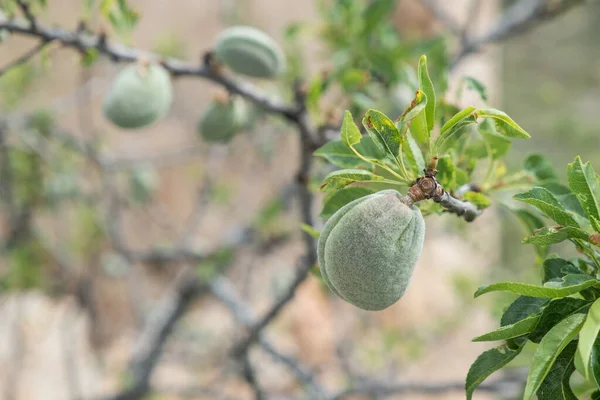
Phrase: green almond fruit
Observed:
(249, 51)
(368, 249)
(139, 96)
(221, 121)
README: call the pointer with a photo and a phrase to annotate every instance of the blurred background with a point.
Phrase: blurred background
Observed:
(109, 236)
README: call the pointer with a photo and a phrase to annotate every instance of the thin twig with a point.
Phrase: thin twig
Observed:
(24, 58)
(520, 17)
(24, 6)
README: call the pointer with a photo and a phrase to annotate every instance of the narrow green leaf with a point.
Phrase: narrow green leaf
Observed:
(426, 86)
(414, 154)
(556, 385)
(504, 124)
(417, 119)
(556, 311)
(548, 236)
(588, 336)
(569, 285)
(339, 198)
(486, 364)
(478, 199)
(459, 116)
(350, 132)
(449, 138)
(545, 201)
(383, 131)
(517, 329)
(476, 85)
(540, 167)
(532, 223)
(584, 183)
(344, 177)
(548, 351)
(311, 231)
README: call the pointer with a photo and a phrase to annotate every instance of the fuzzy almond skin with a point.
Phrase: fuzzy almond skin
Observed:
(221, 122)
(369, 248)
(250, 51)
(138, 98)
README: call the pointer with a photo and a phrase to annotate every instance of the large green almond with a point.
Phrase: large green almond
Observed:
(249, 51)
(368, 249)
(139, 96)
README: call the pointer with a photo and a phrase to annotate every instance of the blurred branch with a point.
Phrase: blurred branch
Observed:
(24, 6)
(250, 377)
(384, 389)
(25, 57)
(84, 42)
(171, 307)
(225, 293)
(442, 15)
(522, 16)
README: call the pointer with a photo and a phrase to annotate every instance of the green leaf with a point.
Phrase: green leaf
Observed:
(498, 144)
(588, 335)
(504, 124)
(595, 362)
(315, 234)
(459, 116)
(344, 177)
(584, 183)
(446, 172)
(556, 385)
(416, 118)
(521, 308)
(336, 200)
(337, 153)
(540, 167)
(595, 224)
(569, 285)
(532, 223)
(565, 196)
(556, 268)
(476, 85)
(426, 87)
(545, 201)
(517, 329)
(417, 107)
(383, 132)
(478, 199)
(486, 364)
(548, 351)
(350, 132)
(414, 154)
(548, 236)
(556, 311)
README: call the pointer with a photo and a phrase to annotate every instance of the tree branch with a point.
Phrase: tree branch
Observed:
(84, 42)
(172, 306)
(25, 57)
(520, 17)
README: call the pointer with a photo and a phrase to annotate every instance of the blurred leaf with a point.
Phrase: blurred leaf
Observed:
(587, 337)
(15, 82)
(478, 199)
(426, 86)
(548, 351)
(504, 124)
(584, 183)
(383, 132)
(486, 364)
(143, 181)
(168, 44)
(376, 11)
(313, 96)
(344, 177)
(311, 231)
(350, 132)
(497, 143)
(90, 57)
(556, 311)
(336, 200)
(548, 236)
(517, 329)
(569, 285)
(540, 167)
(477, 86)
(545, 201)
(446, 172)
(556, 385)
